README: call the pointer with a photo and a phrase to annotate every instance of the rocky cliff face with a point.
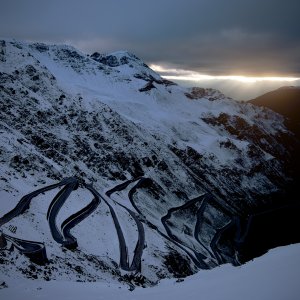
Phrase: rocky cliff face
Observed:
(199, 159)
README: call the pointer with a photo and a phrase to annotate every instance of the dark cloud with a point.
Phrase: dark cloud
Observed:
(211, 36)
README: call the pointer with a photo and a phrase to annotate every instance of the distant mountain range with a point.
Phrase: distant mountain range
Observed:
(108, 172)
(285, 101)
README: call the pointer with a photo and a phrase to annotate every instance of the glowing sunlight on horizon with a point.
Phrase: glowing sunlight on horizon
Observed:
(178, 74)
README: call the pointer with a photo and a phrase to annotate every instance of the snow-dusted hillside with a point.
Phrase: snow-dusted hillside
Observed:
(200, 160)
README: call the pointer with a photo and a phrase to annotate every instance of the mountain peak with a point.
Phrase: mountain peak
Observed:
(118, 58)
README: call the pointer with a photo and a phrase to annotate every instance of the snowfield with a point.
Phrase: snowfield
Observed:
(274, 276)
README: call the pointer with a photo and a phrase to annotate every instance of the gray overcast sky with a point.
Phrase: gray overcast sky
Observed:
(257, 37)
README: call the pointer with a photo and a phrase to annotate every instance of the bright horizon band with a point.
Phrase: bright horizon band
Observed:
(178, 74)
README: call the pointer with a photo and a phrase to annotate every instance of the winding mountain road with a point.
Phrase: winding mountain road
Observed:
(138, 251)
(25, 201)
(36, 251)
(199, 223)
(56, 205)
(70, 241)
(203, 198)
(197, 259)
(124, 264)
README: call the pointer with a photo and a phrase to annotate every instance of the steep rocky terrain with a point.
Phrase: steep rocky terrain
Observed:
(192, 160)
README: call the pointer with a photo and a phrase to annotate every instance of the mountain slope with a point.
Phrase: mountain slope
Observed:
(172, 168)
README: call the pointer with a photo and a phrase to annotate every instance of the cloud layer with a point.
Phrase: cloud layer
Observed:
(250, 37)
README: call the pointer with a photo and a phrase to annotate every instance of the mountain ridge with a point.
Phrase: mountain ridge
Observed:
(284, 101)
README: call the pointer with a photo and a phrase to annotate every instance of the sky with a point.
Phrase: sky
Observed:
(213, 37)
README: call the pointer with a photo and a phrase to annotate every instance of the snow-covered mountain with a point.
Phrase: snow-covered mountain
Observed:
(193, 162)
